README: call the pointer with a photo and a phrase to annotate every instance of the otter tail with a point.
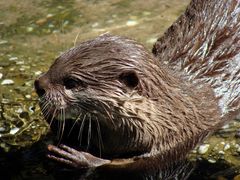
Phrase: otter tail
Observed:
(203, 45)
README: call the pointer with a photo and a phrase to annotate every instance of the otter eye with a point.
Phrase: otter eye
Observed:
(129, 78)
(72, 83)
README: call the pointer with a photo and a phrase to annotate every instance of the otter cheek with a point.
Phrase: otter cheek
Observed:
(69, 94)
(72, 113)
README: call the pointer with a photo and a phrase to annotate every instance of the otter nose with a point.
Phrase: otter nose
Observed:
(41, 85)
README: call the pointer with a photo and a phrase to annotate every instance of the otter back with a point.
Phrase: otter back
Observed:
(204, 46)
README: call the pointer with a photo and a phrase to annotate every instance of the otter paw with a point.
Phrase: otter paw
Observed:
(74, 158)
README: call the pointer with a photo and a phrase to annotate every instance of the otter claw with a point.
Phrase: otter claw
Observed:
(74, 158)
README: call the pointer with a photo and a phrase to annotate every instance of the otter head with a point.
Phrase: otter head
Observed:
(116, 96)
(101, 86)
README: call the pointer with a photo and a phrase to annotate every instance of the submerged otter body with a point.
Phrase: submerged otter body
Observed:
(138, 114)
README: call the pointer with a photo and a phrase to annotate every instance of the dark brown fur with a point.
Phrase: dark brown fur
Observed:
(151, 113)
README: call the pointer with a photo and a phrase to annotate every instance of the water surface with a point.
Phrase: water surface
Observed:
(32, 34)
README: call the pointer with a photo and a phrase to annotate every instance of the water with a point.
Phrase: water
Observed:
(32, 34)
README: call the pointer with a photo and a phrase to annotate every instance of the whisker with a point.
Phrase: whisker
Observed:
(45, 106)
(45, 101)
(48, 112)
(54, 113)
(100, 142)
(60, 126)
(78, 118)
(63, 124)
(43, 98)
(81, 130)
(89, 131)
(75, 40)
(108, 115)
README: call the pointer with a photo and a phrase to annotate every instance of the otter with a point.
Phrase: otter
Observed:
(124, 112)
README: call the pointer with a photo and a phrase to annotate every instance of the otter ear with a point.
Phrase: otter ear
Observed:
(129, 78)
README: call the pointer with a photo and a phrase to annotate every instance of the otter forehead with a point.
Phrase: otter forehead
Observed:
(105, 50)
(112, 61)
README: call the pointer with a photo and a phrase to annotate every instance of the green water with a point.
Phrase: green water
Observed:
(34, 32)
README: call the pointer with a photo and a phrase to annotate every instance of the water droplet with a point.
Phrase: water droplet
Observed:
(203, 148)
(131, 23)
(7, 82)
(14, 130)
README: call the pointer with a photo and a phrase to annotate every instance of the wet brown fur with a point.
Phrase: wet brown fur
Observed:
(182, 95)
(204, 44)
